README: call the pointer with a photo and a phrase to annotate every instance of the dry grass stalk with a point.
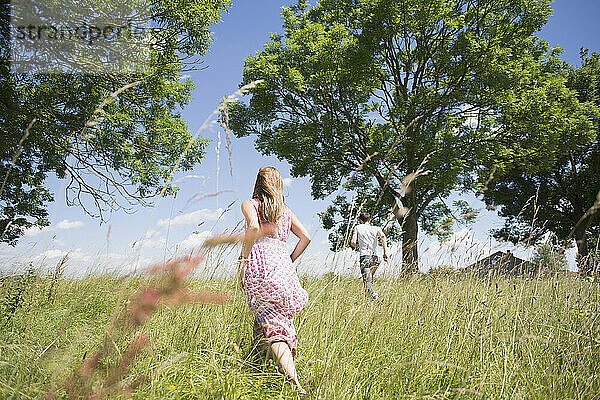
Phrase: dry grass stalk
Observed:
(93, 121)
(440, 364)
(165, 364)
(207, 122)
(361, 166)
(135, 346)
(171, 290)
(411, 177)
(487, 182)
(58, 273)
(249, 237)
(225, 125)
(441, 230)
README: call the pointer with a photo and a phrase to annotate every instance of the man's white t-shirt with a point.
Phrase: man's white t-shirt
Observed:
(366, 235)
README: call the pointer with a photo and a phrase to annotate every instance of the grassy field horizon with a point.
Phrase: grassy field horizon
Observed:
(430, 336)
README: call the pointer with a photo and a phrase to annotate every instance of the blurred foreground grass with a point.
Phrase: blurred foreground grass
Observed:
(429, 337)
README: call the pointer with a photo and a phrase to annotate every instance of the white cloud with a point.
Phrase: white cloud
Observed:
(34, 231)
(192, 218)
(190, 177)
(63, 225)
(52, 255)
(287, 182)
(83, 262)
(194, 240)
(150, 233)
(149, 240)
(66, 224)
(58, 242)
(152, 243)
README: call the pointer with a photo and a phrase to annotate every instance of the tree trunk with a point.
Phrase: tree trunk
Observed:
(410, 253)
(584, 263)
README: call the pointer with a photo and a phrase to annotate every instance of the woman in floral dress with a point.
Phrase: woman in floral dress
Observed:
(267, 275)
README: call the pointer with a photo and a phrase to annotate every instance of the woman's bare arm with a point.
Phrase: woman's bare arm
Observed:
(252, 226)
(299, 230)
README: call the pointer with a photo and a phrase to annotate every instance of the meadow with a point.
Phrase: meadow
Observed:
(431, 336)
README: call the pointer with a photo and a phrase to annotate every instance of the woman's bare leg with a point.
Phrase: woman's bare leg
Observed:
(283, 356)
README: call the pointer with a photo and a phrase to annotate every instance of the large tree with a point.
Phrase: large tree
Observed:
(114, 136)
(404, 95)
(557, 193)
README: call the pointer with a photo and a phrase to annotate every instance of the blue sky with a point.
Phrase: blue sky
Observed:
(128, 242)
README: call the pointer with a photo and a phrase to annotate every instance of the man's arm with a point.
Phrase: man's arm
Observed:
(353, 239)
(383, 244)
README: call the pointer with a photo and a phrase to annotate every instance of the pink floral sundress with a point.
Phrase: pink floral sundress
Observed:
(272, 288)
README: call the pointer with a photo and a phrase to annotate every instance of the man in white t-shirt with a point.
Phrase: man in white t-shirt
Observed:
(365, 238)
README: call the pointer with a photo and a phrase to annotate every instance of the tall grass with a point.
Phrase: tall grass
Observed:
(437, 337)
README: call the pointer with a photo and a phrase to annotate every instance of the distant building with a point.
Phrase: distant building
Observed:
(500, 263)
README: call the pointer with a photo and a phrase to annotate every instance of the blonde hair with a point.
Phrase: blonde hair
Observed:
(268, 190)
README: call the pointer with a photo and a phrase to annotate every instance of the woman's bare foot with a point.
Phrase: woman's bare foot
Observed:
(299, 388)
(281, 352)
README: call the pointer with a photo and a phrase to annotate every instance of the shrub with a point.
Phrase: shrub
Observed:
(548, 258)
